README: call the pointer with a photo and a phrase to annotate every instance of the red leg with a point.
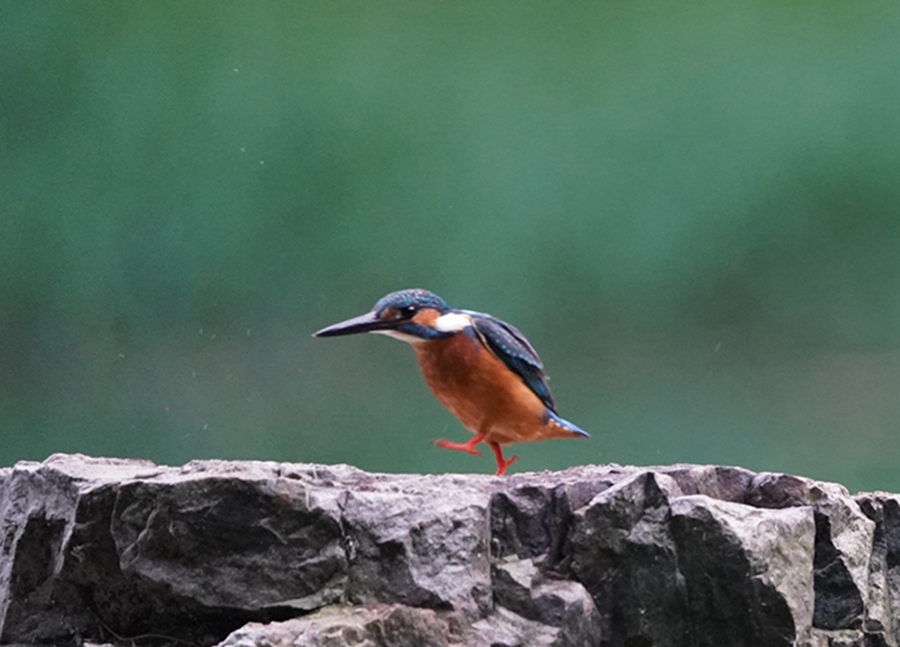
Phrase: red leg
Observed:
(501, 464)
(468, 447)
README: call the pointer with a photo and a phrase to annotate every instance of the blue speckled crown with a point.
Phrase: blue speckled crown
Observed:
(415, 297)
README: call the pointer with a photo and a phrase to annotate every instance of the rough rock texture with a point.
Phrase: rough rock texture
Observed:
(250, 554)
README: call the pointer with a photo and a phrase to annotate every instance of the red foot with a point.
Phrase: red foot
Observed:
(468, 447)
(501, 463)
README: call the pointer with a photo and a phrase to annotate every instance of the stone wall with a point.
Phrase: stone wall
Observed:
(259, 554)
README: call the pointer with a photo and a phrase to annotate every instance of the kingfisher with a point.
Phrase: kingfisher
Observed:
(482, 369)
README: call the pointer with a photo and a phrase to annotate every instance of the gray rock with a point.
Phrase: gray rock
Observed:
(884, 566)
(520, 587)
(762, 591)
(213, 539)
(412, 543)
(844, 539)
(376, 626)
(622, 551)
(716, 482)
(253, 553)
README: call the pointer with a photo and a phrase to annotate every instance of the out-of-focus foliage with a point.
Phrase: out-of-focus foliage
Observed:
(691, 209)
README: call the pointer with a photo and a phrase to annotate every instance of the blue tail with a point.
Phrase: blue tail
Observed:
(565, 424)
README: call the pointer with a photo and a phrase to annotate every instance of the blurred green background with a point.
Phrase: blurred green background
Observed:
(691, 209)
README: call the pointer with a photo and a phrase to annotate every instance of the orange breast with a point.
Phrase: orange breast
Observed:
(482, 392)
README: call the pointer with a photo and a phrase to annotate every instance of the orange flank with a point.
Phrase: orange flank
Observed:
(488, 398)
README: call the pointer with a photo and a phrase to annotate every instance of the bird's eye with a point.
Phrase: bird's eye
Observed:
(409, 311)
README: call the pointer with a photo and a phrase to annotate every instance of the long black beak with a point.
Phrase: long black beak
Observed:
(363, 323)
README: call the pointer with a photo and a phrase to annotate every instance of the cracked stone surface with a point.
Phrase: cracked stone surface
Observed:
(107, 551)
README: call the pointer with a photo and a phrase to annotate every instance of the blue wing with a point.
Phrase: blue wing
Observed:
(511, 347)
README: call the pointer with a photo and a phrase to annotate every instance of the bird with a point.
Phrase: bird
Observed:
(482, 369)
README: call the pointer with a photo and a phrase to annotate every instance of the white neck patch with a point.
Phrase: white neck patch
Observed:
(452, 322)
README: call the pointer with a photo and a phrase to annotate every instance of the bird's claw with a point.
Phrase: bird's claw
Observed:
(468, 447)
(503, 464)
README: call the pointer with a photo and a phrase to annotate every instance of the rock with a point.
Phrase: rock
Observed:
(762, 592)
(716, 482)
(883, 615)
(206, 539)
(844, 537)
(412, 543)
(520, 588)
(622, 551)
(395, 625)
(253, 553)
